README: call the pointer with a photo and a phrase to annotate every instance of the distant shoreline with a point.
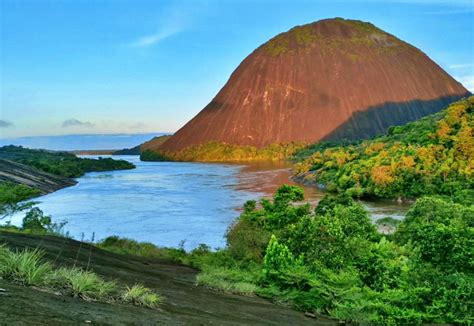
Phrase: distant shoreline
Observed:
(94, 152)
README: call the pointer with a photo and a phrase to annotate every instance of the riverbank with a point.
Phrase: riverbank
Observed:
(17, 173)
(184, 303)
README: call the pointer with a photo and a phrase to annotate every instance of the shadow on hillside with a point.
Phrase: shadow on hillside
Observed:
(377, 119)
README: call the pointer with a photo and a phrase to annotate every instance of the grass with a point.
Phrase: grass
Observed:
(28, 267)
(126, 246)
(84, 284)
(24, 266)
(140, 296)
(226, 280)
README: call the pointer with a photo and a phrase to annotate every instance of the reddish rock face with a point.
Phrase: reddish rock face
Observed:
(331, 79)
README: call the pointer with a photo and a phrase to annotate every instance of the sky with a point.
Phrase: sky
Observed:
(123, 66)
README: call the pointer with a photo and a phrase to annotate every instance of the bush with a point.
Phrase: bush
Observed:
(24, 266)
(142, 249)
(140, 296)
(227, 280)
(334, 261)
(83, 284)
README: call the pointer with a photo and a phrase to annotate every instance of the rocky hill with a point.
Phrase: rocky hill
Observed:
(332, 79)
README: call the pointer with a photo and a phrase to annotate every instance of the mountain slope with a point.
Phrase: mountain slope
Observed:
(332, 79)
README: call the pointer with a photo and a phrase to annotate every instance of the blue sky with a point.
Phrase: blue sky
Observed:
(142, 66)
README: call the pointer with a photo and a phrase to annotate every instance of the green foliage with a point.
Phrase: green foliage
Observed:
(84, 284)
(36, 222)
(149, 155)
(140, 296)
(60, 163)
(334, 262)
(434, 155)
(221, 152)
(441, 233)
(278, 259)
(230, 280)
(11, 196)
(23, 266)
(126, 246)
(28, 267)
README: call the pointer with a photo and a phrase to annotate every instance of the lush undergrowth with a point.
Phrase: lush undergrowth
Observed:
(61, 163)
(434, 155)
(27, 267)
(220, 152)
(12, 196)
(332, 261)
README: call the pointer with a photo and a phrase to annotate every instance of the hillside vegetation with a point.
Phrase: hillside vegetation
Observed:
(222, 152)
(434, 155)
(332, 261)
(60, 163)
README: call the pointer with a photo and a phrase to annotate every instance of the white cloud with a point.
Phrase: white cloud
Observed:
(76, 123)
(154, 38)
(467, 81)
(175, 20)
(462, 66)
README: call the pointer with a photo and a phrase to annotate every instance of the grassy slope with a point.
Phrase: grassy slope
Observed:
(184, 303)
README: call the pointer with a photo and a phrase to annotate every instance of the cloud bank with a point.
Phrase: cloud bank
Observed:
(5, 124)
(76, 123)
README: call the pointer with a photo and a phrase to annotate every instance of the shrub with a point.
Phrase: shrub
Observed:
(140, 296)
(84, 284)
(24, 266)
(142, 249)
(228, 280)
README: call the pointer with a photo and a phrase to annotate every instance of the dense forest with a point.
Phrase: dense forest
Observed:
(61, 163)
(434, 155)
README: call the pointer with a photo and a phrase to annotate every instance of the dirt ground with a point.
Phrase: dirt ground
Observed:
(183, 304)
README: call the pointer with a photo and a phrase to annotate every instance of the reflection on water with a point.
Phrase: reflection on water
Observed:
(167, 202)
(267, 177)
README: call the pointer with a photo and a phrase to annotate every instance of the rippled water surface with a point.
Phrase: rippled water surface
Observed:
(169, 202)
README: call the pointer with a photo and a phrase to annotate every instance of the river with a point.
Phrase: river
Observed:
(167, 203)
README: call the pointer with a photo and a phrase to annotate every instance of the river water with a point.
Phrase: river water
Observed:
(169, 202)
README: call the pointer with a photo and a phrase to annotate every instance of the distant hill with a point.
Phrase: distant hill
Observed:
(148, 145)
(331, 79)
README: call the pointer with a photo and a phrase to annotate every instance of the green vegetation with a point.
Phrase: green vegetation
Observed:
(140, 296)
(332, 260)
(280, 44)
(23, 266)
(11, 196)
(125, 246)
(149, 155)
(83, 284)
(434, 155)
(27, 267)
(61, 163)
(220, 152)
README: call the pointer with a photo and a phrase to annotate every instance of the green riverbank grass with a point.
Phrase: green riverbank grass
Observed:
(28, 267)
